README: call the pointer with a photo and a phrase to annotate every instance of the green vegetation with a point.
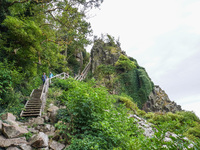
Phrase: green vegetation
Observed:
(185, 122)
(136, 84)
(94, 119)
(91, 119)
(124, 64)
(43, 36)
(36, 37)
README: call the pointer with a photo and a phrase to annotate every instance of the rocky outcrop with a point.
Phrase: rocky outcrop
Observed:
(56, 146)
(102, 53)
(4, 142)
(35, 121)
(8, 116)
(149, 131)
(144, 125)
(159, 102)
(39, 141)
(52, 112)
(25, 147)
(12, 131)
(12, 134)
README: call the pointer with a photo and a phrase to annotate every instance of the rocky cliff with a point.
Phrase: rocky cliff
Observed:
(104, 53)
(158, 101)
(135, 83)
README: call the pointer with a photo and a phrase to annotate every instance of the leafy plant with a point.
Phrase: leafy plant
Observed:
(28, 135)
(124, 64)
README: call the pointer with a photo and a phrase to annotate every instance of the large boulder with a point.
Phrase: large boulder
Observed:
(56, 145)
(36, 121)
(25, 147)
(8, 116)
(10, 119)
(12, 142)
(12, 131)
(12, 148)
(52, 112)
(39, 141)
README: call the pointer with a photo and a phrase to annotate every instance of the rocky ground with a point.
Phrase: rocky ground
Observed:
(33, 134)
(39, 133)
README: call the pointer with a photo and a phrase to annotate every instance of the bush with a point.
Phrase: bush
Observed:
(184, 122)
(124, 64)
(91, 121)
(128, 101)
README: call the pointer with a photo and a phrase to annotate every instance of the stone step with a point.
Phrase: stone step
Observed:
(38, 90)
(33, 98)
(32, 106)
(30, 115)
(34, 102)
(32, 109)
(31, 112)
(38, 112)
(36, 96)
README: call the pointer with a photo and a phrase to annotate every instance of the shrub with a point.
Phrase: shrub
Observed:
(195, 131)
(91, 121)
(124, 64)
(128, 101)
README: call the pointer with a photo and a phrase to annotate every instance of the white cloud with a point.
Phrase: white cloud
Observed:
(192, 107)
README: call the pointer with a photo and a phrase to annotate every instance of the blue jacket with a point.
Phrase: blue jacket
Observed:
(51, 75)
(44, 77)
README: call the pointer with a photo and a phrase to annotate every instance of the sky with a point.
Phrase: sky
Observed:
(163, 36)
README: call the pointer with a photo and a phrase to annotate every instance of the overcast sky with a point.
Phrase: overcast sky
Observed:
(164, 37)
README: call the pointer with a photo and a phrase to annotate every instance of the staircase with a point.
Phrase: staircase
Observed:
(33, 106)
(84, 73)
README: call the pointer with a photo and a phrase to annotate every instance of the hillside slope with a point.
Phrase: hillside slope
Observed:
(122, 74)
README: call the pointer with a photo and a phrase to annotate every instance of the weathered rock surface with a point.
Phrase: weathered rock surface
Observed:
(25, 147)
(52, 112)
(12, 148)
(56, 145)
(104, 54)
(36, 121)
(160, 102)
(39, 141)
(10, 142)
(32, 130)
(12, 131)
(149, 131)
(8, 116)
(143, 124)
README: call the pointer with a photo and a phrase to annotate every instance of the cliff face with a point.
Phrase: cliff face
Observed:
(103, 53)
(135, 83)
(158, 101)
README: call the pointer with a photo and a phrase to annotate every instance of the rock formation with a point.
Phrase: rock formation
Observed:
(140, 87)
(12, 134)
(159, 102)
(102, 53)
